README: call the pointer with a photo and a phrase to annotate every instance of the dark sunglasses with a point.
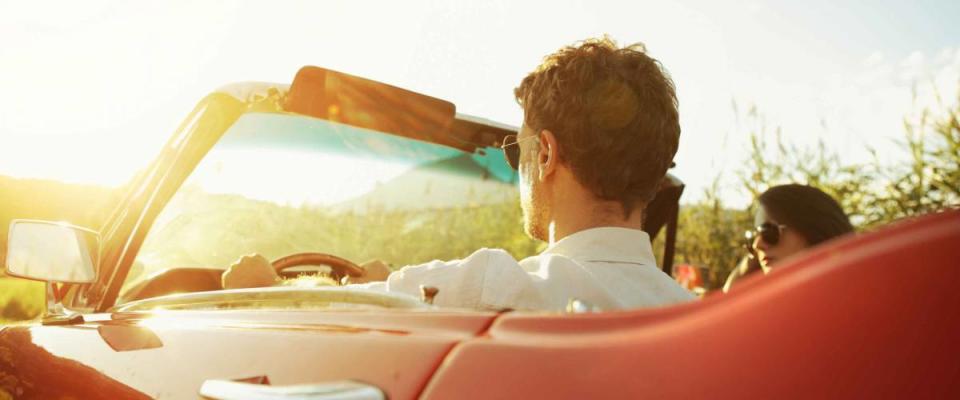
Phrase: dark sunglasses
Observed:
(769, 232)
(511, 151)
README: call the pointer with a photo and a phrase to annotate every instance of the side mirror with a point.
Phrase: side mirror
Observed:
(52, 252)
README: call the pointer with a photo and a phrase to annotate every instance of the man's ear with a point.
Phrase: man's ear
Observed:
(549, 155)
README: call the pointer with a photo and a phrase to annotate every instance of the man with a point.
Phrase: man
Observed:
(600, 129)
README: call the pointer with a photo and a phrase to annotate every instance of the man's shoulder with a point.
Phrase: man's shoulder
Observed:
(493, 252)
(487, 258)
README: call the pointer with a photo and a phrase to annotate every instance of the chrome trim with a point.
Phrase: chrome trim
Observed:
(276, 296)
(340, 390)
(577, 306)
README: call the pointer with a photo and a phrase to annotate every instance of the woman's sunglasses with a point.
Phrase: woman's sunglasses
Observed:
(769, 232)
(511, 151)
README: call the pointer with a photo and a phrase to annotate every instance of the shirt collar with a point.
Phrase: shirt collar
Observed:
(607, 244)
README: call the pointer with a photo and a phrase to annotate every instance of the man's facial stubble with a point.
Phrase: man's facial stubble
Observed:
(533, 195)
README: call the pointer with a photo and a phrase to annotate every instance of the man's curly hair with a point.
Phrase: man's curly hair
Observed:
(614, 113)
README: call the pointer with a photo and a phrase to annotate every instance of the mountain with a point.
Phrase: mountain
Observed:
(452, 182)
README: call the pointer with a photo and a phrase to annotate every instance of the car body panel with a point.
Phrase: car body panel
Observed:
(170, 354)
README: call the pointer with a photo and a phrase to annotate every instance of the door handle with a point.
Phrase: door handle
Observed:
(221, 389)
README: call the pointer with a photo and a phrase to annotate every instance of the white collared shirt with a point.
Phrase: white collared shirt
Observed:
(609, 268)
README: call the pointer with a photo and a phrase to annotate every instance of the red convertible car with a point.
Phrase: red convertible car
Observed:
(333, 169)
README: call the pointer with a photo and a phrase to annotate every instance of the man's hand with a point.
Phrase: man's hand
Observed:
(373, 271)
(250, 271)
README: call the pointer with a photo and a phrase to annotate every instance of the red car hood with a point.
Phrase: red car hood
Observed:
(170, 354)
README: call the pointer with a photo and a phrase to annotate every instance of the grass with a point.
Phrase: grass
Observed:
(20, 299)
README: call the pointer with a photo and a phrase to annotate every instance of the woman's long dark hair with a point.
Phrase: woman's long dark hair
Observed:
(807, 210)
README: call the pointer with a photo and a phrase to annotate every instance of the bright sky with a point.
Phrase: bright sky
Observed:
(92, 89)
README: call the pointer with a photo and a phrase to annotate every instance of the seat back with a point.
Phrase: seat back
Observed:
(871, 316)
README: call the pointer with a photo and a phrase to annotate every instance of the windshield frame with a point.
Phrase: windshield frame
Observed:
(148, 194)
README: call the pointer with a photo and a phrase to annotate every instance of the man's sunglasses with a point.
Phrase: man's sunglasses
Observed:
(769, 232)
(511, 151)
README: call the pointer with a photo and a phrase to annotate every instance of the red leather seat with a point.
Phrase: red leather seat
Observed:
(871, 316)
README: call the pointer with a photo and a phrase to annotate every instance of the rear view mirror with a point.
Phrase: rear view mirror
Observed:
(53, 252)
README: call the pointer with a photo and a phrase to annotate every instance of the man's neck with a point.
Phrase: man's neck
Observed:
(573, 217)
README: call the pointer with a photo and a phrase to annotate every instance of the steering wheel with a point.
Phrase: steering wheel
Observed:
(339, 267)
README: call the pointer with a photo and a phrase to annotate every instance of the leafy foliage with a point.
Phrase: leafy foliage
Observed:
(873, 194)
(930, 180)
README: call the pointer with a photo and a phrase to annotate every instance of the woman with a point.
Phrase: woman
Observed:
(792, 218)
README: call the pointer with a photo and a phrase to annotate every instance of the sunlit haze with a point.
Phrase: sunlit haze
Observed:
(311, 177)
(92, 89)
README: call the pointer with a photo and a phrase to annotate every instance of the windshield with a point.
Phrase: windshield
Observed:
(280, 184)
